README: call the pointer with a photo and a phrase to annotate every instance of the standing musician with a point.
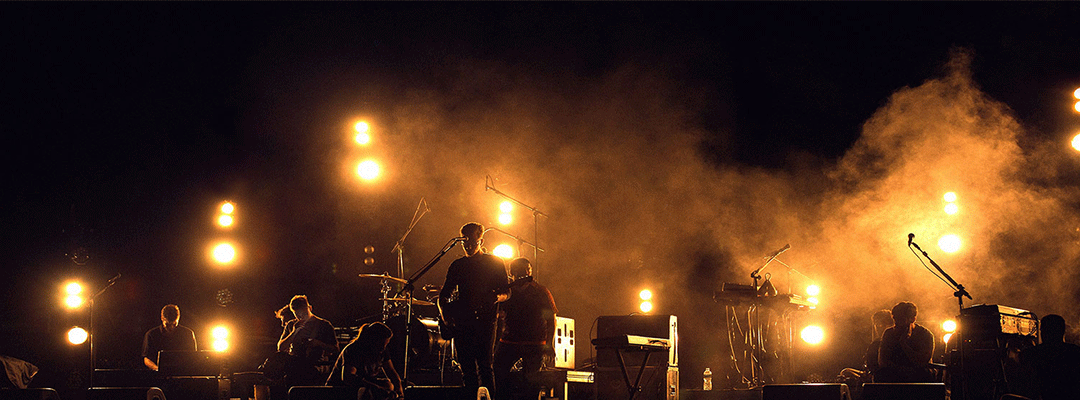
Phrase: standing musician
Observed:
(468, 305)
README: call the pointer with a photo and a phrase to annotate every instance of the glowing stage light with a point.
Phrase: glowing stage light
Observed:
(949, 243)
(812, 300)
(952, 208)
(369, 261)
(73, 288)
(362, 127)
(646, 306)
(362, 138)
(368, 170)
(948, 326)
(1076, 106)
(77, 335)
(369, 249)
(945, 338)
(1076, 142)
(812, 334)
(813, 290)
(505, 219)
(220, 332)
(645, 294)
(73, 301)
(504, 250)
(950, 197)
(506, 206)
(224, 253)
(227, 208)
(225, 221)
(220, 345)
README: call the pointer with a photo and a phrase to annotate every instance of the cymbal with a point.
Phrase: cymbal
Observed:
(415, 302)
(384, 276)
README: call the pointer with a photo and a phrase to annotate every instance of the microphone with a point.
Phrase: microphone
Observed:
(460, 239)
(776, 253)
(909, 237)
(111, 281)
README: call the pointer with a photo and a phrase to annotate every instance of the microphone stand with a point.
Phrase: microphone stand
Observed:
(93, 361)
(757, 343)
(489, 184)
(959, 292)
(399, 249)
(406, 290)
(515, 237)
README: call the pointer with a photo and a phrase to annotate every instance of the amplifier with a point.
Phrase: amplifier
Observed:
(992, 320)
(564, 343)
(654, 326)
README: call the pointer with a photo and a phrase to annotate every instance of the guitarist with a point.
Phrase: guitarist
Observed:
(476, 283)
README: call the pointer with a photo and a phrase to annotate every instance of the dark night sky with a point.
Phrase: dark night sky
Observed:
(128, 122)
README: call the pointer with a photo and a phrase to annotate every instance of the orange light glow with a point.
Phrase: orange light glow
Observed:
(952, 209)
(77, 335)
(646, 306)
(1076, 142)
(225, 221)
(645, 294)
(227, 208)
(506, 206)
(224, 253)
(504, 251)
(73, 288)
(812, 334)
(813, 290)
(362, 138)
(948, 326)
(1076, 106)
(362, 127)
(368, 170)
(949, 243)
(505, 219)
(945, 338)
(73, 301)
(1076, 93)
(950, 197)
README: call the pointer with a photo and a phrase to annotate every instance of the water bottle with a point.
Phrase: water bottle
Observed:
(707, 377)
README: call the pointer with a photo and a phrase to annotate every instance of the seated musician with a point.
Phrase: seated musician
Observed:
(311, 343)
(170, 335)
(365, 363)
(881, 320)
(906, 349)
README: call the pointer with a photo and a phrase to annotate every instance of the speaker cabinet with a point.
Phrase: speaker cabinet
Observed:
(903, 391)
(806, 391)
(657, 326)
(325, 393)
(657, 383)
(125, 393)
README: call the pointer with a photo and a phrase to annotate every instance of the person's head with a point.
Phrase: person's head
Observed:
(474, 238)
(284, 314)
(882, 320)
(903, 313)
(300, 307)
(170, 316)
(520, 267)
(1052, 328)
(375, 334)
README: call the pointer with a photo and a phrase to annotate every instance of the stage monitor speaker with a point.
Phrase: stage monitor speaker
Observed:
(325, 393)
(903, 391)
(657, 383)
(125, 393)
(29, 394)
(806, 391)
(190, 363)
(657, 326)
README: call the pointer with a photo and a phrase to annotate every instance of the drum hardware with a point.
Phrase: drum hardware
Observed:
(415, 302)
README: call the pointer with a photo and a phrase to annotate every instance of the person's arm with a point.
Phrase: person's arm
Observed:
(923, 347)
(150, 364)
(194, 344)
(286, 334)
(395, 380)
(146, 349)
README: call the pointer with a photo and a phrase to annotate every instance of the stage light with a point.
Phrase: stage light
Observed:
(77, 335)
(225, 221)
(945, 338)
(645, 294)
(369, 249)
(505, 219)
(949, 243)
(362, 127)
(951, 208)
(362, 138)
(1076, 142)
(950, 197)
(73, 301)
(813, 290)
(812, 300)
(812, 334)
(227, 208)
(1076, 106)
(73, 288)
(948, 326)
(646, 306)
(504, 250)
(1076, 93)
(224, 253)
(368, 170)
(220, 334)
(506, 206)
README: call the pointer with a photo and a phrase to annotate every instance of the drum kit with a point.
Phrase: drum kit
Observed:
(427, 349)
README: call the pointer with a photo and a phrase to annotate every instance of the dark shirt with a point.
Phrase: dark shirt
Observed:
(157, 339)
(300, 343)
(1056, 368)
(368, 364)
(872, 356)
(478, 280)
(905, 359)
(530, 313)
